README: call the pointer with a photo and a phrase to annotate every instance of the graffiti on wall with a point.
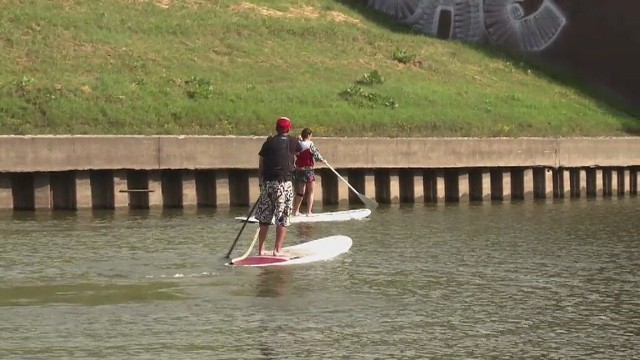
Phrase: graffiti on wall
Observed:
(525, 25)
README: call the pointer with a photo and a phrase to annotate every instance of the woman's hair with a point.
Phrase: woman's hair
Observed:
(305, 133)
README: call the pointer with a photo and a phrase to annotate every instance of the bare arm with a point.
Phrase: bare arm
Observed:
(261, 169)
(316, 153)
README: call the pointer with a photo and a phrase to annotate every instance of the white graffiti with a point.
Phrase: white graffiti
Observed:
(502, 22)
(466, 18)
(507, 24)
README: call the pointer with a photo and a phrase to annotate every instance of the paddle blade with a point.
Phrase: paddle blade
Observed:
(369, 203)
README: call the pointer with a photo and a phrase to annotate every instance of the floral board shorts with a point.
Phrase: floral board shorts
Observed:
(304, 175)
(276, 203)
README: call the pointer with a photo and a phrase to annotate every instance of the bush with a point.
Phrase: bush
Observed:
(403, 56)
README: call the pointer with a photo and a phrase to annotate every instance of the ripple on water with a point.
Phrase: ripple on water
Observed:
(504, 281)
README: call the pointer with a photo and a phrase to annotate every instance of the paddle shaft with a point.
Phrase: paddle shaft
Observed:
(343, 179)
(244, 224)
(370, 203)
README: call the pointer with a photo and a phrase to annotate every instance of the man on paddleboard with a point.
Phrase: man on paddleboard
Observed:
(276, 167)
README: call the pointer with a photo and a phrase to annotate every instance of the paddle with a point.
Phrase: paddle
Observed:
(371, 204)
(255, 237)
(243, 226)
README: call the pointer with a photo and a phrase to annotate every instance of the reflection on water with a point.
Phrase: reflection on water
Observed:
(274, 282)
(305, 232)
(86, 294)
(552, 279)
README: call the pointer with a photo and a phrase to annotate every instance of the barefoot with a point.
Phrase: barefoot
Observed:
(280, 254)
(296, 213)
(309, 213)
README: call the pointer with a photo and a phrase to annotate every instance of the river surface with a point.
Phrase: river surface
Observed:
(537, 280)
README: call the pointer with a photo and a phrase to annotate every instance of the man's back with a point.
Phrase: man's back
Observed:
(278, 153)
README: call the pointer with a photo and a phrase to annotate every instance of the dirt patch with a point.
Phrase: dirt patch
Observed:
(161, 3)
(340, 17)
(307, 12)
(165, 4)
(86, 90)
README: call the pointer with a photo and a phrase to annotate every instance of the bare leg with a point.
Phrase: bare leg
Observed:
(309, 196)
(262, 236)
(281, 232)
(298, 199)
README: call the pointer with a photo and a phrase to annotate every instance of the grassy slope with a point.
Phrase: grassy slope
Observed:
(123, 67)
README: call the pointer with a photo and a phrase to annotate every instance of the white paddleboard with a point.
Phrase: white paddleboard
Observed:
(316, 250)
(345, 215)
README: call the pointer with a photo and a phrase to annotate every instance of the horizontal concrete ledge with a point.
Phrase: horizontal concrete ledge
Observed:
(63, 153)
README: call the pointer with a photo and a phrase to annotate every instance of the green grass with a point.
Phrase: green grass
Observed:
(232, 67)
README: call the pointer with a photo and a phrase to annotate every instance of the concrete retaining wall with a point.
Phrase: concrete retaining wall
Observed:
(71, 172)
(63, 153)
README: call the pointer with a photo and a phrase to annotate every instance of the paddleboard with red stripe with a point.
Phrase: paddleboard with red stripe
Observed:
(316, 250)
(344, 215)
(259, 261)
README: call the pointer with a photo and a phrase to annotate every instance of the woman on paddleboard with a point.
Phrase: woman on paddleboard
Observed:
(276, 167)
(304, 174)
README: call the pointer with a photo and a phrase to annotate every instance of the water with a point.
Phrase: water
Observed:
(551, 280)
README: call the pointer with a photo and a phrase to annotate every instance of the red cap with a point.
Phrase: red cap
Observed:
(283, 125)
